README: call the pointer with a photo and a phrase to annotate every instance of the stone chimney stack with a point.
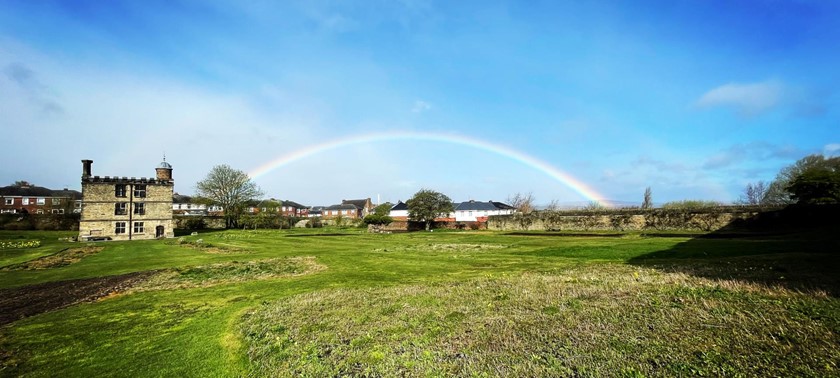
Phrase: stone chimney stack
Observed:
(86, 168)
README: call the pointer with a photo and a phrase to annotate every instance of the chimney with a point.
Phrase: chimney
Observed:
(86, 168)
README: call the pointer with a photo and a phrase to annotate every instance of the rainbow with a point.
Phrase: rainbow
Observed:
(562, 177)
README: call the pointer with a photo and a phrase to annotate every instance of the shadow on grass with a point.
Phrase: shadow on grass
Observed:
(188, 232)
(797, 248)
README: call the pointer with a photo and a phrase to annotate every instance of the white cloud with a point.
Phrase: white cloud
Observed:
(751, 152)
(832, 149)
(747, 99)
(420, 106)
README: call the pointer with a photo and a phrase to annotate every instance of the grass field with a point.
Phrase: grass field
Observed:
(343, 302)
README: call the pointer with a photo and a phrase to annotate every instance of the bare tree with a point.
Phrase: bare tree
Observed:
(648, 202)
(554, 205)
(229, 188)
(754, 194)
(524, 203)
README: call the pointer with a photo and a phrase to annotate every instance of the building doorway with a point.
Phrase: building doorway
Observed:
(159, 232)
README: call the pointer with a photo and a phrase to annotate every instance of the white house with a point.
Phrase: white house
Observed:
(399, 212)
(477, 211)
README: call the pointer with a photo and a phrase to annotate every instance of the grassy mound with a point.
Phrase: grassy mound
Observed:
(62, 258)
(229, 272)
(599, 320)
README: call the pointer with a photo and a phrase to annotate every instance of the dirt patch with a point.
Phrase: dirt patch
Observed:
(21, 302)
(61, 258)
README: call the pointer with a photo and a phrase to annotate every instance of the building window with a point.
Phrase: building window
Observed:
(120, 208)
(24, 201)
(119, 190)
(119, 228)
(39, 211)
(140, 208)
(138, 227)
(10, 201)
(140, 191)
(41, 201)
(56, 201)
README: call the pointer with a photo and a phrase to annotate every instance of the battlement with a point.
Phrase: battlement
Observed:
(125, 180)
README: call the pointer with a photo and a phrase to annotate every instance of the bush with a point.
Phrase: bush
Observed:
(195, 224)
(377, 219)
(691, 204)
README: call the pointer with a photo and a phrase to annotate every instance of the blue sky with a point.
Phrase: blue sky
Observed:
(692, 98)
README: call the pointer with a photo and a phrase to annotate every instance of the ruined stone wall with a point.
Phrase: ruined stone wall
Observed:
(706, 220)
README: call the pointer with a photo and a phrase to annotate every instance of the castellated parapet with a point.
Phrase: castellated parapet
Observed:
(126, 208)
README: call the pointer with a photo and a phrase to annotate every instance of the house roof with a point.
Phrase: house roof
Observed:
(343, 206)
(74, 194)
(400, 206)
(502, 205)
(37, 191)
(293, 204)
(481, 206)
(360, 203)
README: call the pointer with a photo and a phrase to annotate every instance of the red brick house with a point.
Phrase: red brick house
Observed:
(24, 198)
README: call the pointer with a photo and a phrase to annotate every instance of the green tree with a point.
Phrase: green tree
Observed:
(426, 205)
(383, 209)
(380, 214)
(229, 188)
(778, 192)
(816, 185)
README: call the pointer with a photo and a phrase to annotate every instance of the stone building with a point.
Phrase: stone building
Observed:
(122, 208)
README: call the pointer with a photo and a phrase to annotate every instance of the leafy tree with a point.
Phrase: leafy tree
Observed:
(754, 194)
(524, 203)
(778, 192)
(648, 201)
(383, 209)
(426, 205)
(229, 188)
(380, 214)
(816, 185)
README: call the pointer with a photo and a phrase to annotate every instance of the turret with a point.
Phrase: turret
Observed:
(164, 170)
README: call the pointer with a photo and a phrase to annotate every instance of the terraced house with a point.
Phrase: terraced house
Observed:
(25, 198)
(123, 208)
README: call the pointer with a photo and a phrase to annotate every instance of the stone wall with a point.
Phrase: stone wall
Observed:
(711, 219)
(46, 222)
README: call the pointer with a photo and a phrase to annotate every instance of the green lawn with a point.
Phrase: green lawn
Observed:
(292, 303)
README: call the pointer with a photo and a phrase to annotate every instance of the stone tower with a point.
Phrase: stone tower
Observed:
(164, 170)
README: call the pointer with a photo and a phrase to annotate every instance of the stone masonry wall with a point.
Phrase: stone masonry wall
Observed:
(98, 215)
(705, 220)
